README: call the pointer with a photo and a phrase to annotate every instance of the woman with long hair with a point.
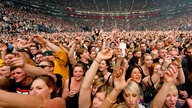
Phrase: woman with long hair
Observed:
(42, 95)
(72, 86)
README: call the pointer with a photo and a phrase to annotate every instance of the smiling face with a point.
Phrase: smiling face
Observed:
(148, 60)
(157, 68)
(136, 75)
(78, 73)
(103, 66)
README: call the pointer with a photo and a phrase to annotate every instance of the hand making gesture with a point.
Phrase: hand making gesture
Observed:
(119, 80)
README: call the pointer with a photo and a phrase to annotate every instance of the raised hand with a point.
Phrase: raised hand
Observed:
(119, 79)
(105, 54)
(177, 61)
(171, 74)
(77, 39)
(17, 62)
(40, 40)
(3, 47)
(118, 53)
(167, 60)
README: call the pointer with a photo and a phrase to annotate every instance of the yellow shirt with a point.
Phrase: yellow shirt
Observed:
(61, 67)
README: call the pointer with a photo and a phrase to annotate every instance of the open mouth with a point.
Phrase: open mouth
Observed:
(172, 104)
(130, 104)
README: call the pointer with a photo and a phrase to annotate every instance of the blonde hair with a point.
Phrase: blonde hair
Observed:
(172, 88)
(133, 87)
(119, 106)
(143, 57)
(99, 82)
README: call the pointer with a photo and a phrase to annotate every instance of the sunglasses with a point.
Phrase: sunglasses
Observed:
(43, 66)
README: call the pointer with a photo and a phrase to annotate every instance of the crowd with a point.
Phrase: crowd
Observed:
(97, 69)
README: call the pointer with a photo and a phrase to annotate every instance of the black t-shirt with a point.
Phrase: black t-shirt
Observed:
(12, 87)
(19, 88)
(23, 89)
(85, 66)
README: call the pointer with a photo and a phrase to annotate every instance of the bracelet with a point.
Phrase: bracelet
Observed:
(179, 66)
(97, 61)
(110, 101)
(20, 50)
(159, 74)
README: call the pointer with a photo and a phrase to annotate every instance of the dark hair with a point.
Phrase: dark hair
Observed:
(134, 60)
(130, 69)
(108, 64)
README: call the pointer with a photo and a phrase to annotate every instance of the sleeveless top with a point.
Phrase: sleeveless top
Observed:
(72, 102)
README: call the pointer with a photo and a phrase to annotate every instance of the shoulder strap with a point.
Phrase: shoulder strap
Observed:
(141, 70)
(108, 78)
(69, 83)
(151, 81)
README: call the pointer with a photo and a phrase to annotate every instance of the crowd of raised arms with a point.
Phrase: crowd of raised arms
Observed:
(96, 69)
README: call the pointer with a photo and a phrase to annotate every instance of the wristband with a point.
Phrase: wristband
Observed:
(97, 61)
(110, 101)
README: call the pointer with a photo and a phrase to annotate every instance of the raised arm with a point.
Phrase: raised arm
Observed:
(30, 69)
(52, 46)
(120, 84)
(85, 100)
(181, 77)
(14, 100)
(72, 60)
(3, 50)
(169, 77)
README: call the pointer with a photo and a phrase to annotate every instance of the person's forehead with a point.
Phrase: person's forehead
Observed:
(189, 50)
(9, 55)
(33, 47)
(38, 82)
(135, 70)
(143, 44)
(130, 52)
(18, 70)
(39, 55)
(5, 67)
(163, 50)
(43, 63)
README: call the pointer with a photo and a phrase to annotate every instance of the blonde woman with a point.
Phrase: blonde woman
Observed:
(131, 93)
(168, 93)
